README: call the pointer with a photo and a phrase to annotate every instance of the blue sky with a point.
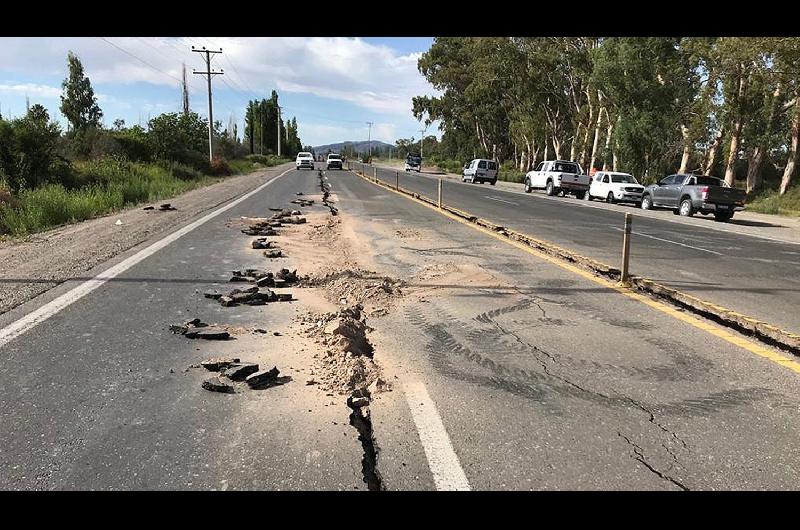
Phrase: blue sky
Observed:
(332, 85)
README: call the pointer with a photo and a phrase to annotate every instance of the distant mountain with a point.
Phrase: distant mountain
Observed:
(358, 147)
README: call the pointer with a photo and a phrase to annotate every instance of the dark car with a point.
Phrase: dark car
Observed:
(689, 194)
(413, 162)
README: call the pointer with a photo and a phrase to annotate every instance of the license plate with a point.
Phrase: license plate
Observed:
(722, 207)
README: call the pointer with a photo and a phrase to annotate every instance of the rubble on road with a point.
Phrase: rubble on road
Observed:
(149, 208)
(239, 371)
(303, 203)
(359, 286)
(262, 243)
(215, 384)
(195, 329)
(215, 364)
(346, 364)
(273, 253)
(262, 378)
(166, 207)
(253, 295)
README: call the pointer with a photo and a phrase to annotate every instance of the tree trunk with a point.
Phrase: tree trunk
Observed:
(712, 153)
(736, 134)
(792, 159)
(609, 134)
(557, 147)
(687, 150)
(572, 146)
(616, 147)
(585, 142)
(546, 147)
(754, 169)
(596, 139)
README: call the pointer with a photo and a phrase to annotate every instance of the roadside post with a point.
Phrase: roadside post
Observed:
(626, 249)
(375, 174)
(440, 194)
(397, 180)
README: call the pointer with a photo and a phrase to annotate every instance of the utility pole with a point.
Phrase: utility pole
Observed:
(185, 92)
(208, 73)
(421, 139)
(279, 130)
(369, 142)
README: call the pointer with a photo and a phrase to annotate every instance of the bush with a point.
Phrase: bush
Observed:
(770, 202)
(259, 159)
(220, 167)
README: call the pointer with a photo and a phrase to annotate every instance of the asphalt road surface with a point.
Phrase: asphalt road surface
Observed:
(751, 275)
(508, 371)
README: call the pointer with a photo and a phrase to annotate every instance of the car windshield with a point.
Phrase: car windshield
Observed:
(334, 157)
(304, 155)
(627, 179)
(413, 160)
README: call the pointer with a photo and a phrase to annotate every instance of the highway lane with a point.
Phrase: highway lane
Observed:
(751, 275)
(543, 379)
(100, 395)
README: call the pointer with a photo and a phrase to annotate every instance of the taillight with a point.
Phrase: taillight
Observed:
(704, 192)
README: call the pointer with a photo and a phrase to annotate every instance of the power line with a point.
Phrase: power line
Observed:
(139, 59)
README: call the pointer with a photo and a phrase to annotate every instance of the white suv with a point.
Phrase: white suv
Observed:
(304, 160)
(615, 187)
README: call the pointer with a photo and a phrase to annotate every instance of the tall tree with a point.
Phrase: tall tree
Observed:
(78, 102)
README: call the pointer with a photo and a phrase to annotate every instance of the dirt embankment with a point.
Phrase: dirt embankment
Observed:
(37, 263)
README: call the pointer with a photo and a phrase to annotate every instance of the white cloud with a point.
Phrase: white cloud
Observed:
(31, 89)
(374, 77)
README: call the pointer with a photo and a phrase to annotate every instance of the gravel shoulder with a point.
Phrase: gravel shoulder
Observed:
(37, 263)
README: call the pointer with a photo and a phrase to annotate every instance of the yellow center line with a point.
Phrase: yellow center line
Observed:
(721, 333)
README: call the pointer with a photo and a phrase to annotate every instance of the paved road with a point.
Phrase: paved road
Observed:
(97, 397)
(751, 275)
(510, 373)
(543, 379)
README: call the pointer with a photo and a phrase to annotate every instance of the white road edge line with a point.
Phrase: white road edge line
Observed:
(670, 241)
(17, 328)
(442, 458)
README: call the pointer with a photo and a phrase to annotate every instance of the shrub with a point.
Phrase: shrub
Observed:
(220, 167)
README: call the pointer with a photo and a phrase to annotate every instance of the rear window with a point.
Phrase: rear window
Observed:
(334, 157)
(304, 155)
(709, 181)
(566, 167)
(492, 166)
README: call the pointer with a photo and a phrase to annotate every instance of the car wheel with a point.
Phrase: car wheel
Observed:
(550, 189)
(528, 187)
(647, 203)
(588, 196)
(580, 195)
(610, 198)
(686, 209)
(493, 182)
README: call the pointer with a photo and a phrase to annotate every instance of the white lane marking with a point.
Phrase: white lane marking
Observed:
(502, 200)
(49, 309)
(670, 241)
(442, 458)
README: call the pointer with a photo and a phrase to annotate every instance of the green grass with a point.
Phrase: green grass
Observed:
(772, 203)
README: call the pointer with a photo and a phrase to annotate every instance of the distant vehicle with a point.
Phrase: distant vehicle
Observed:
(413, 162)
(689, 194)
(304, 159)
(558, 176)
(480, 170)
(615, 187)
(334, 161)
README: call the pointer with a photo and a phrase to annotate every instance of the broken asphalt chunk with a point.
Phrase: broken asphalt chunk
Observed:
(216, 364)
(213, 295)
(239, 371)
(208, 333)
(262, 378)
(215, 384)
(275, 253)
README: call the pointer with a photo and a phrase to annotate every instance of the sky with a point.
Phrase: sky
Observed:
(332, 85)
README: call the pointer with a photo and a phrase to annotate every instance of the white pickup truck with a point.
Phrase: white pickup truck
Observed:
(558, 176)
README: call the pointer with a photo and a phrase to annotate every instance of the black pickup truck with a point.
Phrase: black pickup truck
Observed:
(690, 194)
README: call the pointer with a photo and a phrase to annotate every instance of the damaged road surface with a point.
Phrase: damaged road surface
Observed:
(377, 345)
(105, 395)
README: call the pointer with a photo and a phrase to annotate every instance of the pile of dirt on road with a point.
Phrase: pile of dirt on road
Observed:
(346, 360)
(357, 286)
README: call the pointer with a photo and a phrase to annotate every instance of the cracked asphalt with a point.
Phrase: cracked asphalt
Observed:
(542, 379)
(546, 380)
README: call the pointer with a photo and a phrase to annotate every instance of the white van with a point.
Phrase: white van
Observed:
(480, 170)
